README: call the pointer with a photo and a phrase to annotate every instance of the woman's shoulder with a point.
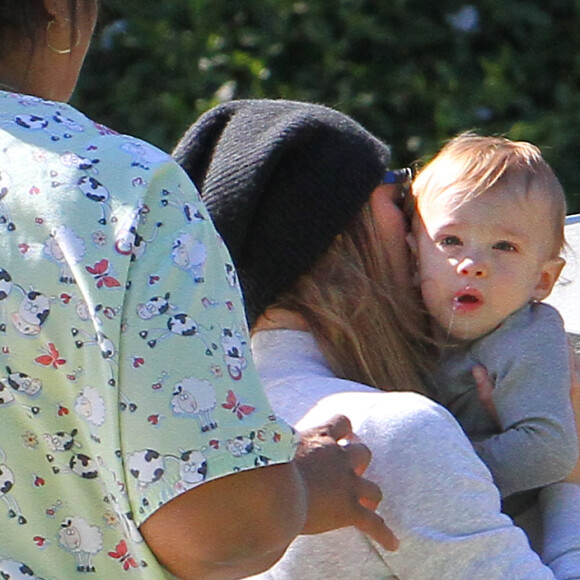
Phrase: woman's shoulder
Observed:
(400, 414)
(62, 128)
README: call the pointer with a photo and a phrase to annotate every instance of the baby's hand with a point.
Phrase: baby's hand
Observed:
(574, 477)
(485, 392)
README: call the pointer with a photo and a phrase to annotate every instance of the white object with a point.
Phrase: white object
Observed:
(566, 294)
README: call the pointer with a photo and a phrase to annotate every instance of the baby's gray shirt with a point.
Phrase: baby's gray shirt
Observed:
(528, 358)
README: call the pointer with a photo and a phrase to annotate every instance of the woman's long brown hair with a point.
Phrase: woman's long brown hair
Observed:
(369, 330)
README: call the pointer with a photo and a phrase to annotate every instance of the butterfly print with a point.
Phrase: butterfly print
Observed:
(51, 357)
(122, 554)
(100, 271)
(236, 406)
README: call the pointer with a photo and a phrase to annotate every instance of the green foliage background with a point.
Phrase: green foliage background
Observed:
(415, 72)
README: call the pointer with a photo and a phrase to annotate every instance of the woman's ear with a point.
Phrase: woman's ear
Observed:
(58, 31)
(412, 243)
(57, 9)
(548, 275)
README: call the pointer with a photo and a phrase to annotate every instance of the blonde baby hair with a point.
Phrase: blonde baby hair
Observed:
(470, 164)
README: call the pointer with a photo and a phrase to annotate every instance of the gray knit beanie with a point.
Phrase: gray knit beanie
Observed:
(280, 180)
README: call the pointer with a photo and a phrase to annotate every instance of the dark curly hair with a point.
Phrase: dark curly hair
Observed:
(28, 19)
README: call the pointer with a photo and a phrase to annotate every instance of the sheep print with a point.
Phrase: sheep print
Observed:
(125, 375)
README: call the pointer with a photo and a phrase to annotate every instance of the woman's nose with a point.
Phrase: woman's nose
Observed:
(472, 267)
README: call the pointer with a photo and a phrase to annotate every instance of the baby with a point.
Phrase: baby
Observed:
(487, 234)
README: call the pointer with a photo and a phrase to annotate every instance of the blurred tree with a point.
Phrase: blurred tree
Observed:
(415, 72)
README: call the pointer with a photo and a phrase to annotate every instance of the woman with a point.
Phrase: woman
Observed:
(115, 448)
(319, 244)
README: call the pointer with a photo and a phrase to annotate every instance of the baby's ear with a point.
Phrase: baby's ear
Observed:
(548, 275)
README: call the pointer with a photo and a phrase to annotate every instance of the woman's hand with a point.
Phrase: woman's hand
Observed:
(241, 524)
(337, 494)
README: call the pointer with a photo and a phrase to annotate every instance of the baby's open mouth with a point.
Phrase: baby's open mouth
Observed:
(467, 299)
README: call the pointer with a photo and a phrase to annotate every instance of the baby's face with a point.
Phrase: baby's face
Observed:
(481, 260)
